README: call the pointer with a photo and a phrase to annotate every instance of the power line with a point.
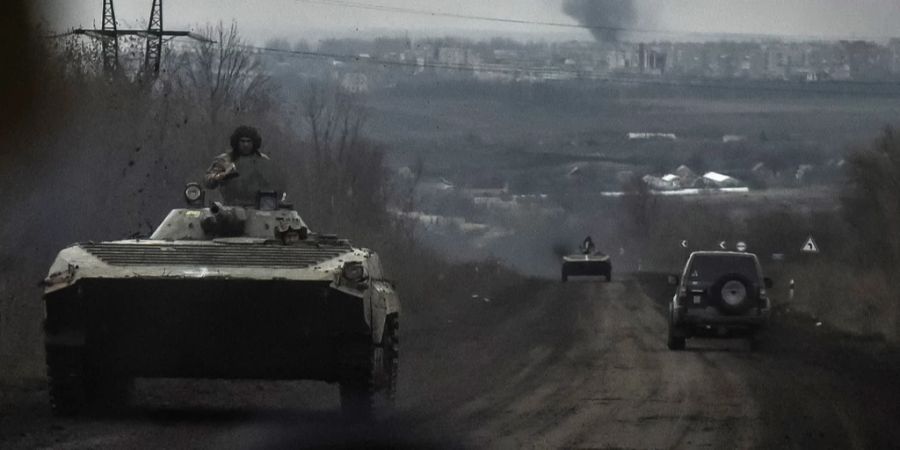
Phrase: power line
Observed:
(576, 74)
(385, 8)
(423, 12)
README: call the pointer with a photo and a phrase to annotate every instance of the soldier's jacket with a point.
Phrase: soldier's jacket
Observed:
(256, 173)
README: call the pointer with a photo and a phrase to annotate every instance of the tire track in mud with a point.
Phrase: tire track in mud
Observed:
(602, 377)
(811, 389)
(668, 407)
(570, 383)
(497, 352)
(723, 412)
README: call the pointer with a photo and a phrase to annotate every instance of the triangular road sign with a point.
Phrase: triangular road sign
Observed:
(810, 246)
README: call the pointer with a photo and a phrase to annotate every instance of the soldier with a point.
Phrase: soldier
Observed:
(241, 188)
(587, 247)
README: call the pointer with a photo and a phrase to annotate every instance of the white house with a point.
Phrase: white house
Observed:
(719, 180)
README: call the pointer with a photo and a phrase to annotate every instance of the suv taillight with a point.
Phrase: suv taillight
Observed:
(682, 296)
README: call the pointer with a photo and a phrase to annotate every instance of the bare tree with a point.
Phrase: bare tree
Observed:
(872, 198)
(279, 44)
(640, 206)
(345, 169)
(302, 45)
(333, 120)
(225, 76)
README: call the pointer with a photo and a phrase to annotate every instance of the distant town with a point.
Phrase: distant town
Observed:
(512, 61)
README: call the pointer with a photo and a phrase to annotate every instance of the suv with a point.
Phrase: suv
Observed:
(720, 294)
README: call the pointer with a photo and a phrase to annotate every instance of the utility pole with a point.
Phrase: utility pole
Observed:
(153, 55)
(109, 38)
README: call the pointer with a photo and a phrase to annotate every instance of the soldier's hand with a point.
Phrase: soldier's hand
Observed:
(229, 173)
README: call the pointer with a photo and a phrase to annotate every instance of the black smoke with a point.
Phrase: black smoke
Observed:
(606, 19)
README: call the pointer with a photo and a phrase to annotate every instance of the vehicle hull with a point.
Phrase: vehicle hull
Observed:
(207, 328)
(586, 267)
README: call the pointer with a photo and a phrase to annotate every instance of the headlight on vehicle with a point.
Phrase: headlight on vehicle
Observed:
(193, 194)
(353, 271)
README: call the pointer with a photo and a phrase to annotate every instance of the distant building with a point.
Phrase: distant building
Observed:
(650, 136)
(718, 180)
(651, 60)
(841, 73)
(494, 72)
(506, 55)
(867, 60)
(452, 55)
(666, 183)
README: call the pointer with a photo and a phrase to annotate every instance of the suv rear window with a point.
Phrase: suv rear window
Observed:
(709, 268)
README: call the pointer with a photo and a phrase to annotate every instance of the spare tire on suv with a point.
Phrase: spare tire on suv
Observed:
(733, 294)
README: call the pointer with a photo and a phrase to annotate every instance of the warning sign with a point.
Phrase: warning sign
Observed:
(810, 246)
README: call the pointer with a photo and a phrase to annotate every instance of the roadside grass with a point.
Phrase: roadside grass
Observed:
(861, 302)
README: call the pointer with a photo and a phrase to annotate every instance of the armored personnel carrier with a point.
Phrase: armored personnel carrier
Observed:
(221, 292)
(586, 265)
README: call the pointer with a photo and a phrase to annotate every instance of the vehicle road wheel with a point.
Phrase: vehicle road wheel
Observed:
(676, 342)
(389, 364)
(676, 339)
(565, 276)
(609, 276)
(369, 385)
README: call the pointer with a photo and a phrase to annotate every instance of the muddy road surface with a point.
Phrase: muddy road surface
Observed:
(543, 365)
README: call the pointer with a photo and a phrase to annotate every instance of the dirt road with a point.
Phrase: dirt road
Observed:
(546, 365)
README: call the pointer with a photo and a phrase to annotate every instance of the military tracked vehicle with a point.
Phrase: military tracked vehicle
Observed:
(593, 264)
(221, 292)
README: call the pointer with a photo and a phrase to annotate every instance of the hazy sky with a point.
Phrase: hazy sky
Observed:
(263, 19)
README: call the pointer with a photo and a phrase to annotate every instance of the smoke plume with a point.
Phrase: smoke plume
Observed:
(608, 17)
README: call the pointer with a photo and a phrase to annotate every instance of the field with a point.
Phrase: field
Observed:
(459, 127)
(529, 139)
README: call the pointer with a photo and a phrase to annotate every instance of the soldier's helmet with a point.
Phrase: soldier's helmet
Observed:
(245, 131)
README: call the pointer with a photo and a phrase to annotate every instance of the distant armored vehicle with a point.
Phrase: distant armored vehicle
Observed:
(719, 294)
(591, 264)
(221, 292)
